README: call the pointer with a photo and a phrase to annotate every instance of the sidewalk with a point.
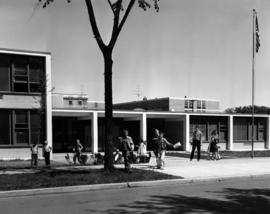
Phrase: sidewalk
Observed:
(205, 169)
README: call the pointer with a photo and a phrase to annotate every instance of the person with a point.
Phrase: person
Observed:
(196, 143)
(213, 146)
(78, 151)
(34, 154)
(155, 141)
(126, 146)
(142, 151)
(161, 150)
(46, 153)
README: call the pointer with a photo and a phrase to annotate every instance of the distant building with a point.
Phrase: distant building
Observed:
(171, 104)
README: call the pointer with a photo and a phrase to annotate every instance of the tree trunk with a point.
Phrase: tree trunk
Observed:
(108, 162)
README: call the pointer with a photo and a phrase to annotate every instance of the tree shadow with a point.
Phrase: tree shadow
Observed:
(231, 201)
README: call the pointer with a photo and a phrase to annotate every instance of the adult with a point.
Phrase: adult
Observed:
(46, 153)
(126, 146)
(78, 151)
(196, 143)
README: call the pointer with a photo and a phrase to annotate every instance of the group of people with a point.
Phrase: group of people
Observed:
(46, 149)
(159, 142)
(213, 153)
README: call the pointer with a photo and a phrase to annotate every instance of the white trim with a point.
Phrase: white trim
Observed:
(24, 52)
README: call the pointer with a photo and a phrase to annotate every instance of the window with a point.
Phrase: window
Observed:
(4, 74)
(4, 127)
(79, 102)
(21, 73)
(35, 127)
(70, 102)
(186, 104)
(21, 131)
(199, 104)
(203, 104)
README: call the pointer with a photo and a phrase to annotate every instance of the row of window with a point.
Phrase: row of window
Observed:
(19, 127)
(190, 104)
(20, 73)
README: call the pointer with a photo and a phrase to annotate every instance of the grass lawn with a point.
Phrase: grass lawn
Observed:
(57, 178)
(24, 164)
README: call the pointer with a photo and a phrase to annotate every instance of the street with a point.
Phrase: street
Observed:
(248, 195)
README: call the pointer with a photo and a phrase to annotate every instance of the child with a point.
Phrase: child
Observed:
(214, 147)
(34, 154)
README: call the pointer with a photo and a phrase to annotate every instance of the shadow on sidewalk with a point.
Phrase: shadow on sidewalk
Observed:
(234, 201)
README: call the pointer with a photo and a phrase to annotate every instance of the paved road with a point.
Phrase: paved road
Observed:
(250, 195)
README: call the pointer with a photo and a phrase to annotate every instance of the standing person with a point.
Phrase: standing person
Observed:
(196, 143)
(162, 145)
(214, 146)
(155, 142)
(126, 146)
(78, 151)
(34, 154)
(46, 153)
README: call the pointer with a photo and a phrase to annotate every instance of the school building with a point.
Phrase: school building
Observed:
(69, 116)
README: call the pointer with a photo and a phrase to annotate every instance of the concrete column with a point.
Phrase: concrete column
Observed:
(186, 145)
(143, 127)
(267, 143)
(94, 130)
(230, 133)
(48, 101)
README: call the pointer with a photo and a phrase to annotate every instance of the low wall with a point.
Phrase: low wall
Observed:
(17, 153)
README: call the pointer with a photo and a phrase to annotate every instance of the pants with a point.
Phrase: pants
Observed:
(47, 158)
(78, 156)
(161, 159)
(127, 158)
(34, 160)
(196, 144)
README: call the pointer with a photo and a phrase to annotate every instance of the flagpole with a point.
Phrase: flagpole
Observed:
(253, 83)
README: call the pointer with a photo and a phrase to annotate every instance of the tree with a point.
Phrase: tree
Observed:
(120, 14)
(248, 110)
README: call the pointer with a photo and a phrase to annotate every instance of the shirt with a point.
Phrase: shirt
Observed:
(126, 143)
(197, 135)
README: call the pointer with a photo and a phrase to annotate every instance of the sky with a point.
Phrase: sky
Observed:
(193, 48)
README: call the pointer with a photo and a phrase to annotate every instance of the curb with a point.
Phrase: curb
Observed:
(137, 184)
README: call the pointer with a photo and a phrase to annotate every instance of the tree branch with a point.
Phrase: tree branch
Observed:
(93, 22)
(117, 29)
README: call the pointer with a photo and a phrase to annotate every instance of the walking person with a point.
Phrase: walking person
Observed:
(196, 143)
(47, 153)
(155, 142)
(34, 154)
(126, 146)
(162, 146)
(78, 151)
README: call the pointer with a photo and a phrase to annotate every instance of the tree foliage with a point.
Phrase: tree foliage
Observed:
(248, 110)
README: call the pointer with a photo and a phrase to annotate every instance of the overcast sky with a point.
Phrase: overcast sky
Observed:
(190, 48)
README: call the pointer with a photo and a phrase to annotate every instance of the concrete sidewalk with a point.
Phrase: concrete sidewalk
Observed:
(205, 169)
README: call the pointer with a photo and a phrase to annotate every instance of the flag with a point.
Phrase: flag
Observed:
(258, 44)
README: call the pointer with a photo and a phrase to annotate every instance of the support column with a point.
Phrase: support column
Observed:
(143, 127)
(187, 137)
(49, 103)
(230, 133)
(94, 130)
(267, 143)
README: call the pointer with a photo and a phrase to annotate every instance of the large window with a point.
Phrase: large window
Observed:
(208, 125)
(242, 129)
(19, 127)
(20, 73)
